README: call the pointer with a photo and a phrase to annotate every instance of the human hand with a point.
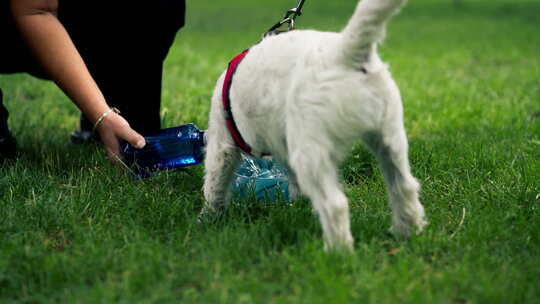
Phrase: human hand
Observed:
(113, 128)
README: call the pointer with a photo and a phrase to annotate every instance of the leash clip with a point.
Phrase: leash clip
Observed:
(289, 19)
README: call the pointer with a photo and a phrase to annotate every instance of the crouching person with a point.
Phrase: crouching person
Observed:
(106, 56)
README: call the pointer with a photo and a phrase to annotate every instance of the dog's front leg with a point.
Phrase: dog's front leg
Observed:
(294, 189)
(221, 159)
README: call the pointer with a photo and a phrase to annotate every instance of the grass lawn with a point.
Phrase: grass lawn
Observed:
(74, 230)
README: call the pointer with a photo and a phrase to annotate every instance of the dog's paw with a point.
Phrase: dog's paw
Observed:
(404, 229)
(341, 242)
(339, 248)
(209, 215)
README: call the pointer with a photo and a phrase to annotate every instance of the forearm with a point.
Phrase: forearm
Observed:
(53, 48)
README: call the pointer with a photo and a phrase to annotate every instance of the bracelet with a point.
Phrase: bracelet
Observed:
(100, 119)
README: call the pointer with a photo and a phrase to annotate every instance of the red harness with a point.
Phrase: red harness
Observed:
(226, 94)
(289, 18)
(226, 99)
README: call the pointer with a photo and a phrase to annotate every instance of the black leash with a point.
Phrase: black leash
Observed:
(289, 18)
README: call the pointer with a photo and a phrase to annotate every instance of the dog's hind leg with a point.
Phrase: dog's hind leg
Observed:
(391, 151)
(317, 178)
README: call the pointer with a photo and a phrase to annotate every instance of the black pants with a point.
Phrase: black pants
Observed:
(123, 44)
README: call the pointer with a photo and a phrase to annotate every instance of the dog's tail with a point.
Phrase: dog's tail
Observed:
(366, 28)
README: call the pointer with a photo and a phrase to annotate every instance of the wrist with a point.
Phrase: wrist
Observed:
(104, 115)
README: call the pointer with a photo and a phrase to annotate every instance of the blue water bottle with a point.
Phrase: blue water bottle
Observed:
(167, 149)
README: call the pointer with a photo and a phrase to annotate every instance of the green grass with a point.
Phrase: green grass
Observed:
(75, 230)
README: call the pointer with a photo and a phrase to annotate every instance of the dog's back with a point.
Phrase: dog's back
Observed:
(315, 75)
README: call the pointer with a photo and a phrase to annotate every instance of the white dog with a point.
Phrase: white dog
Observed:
(305, 97)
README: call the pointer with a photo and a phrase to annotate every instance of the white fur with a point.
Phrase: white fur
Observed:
(305, 97)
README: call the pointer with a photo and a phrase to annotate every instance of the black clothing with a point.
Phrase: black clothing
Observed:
(8, 144)
(123, 44)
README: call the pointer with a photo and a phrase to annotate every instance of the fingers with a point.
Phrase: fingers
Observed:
(113, 149)
(133, 138)
(114, 128)
(110, 143)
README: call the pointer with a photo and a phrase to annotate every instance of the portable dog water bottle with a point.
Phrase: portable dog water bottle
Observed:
(168, 149)
(264, 179)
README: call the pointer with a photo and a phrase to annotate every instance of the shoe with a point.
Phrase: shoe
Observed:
(8, 144)
(85, 134)
(8, 148)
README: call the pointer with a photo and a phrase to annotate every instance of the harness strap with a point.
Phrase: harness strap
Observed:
(226, 100)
